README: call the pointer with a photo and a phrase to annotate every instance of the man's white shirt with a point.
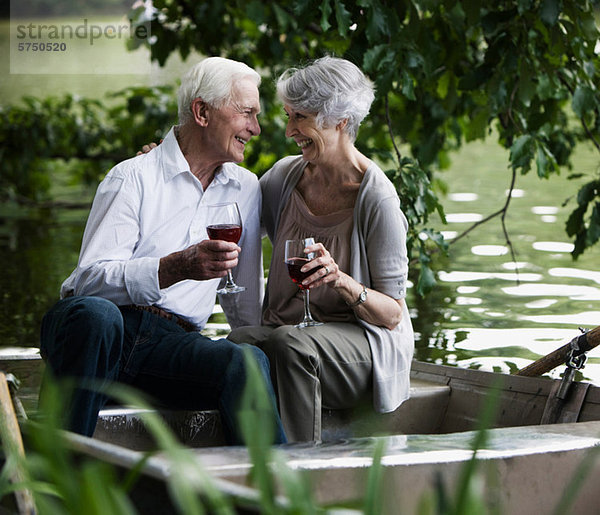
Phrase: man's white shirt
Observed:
(152, 205)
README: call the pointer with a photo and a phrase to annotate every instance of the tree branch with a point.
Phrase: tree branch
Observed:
(589, 133)
(391, 130)
(503, 218)
(501, 212)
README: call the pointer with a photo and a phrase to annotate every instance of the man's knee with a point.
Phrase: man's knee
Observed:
(91, 310)
(95, 310)
(81, 321)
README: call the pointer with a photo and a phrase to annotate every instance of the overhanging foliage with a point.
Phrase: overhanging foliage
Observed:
(526, 72)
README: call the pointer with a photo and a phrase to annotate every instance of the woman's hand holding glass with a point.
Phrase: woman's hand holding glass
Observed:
(321, 269)
(310, 265)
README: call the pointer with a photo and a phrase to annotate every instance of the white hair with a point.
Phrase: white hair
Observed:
(333, 88)
(212, 79)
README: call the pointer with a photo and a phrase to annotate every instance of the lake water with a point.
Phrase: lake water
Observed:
(498, 313)
(488, 311)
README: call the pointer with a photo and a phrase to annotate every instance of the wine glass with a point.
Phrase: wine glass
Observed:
(224, 222)
(295, 259)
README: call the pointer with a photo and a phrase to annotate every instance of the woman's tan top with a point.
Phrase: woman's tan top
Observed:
(285, 304)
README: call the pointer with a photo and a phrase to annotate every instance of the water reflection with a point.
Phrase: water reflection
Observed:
(515, 265)
(554, 290)
(467, 289)
(544, 210)
(583, 319)
(463, 197)
(508, 350)
(575, 272)
(456, 218)
(540, 304)
(36, 250)
(468, 301)
(515, 193)
(553, 246)
(460, 277)
(489, 250)
(449, 235)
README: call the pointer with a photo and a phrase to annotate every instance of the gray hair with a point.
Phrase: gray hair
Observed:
(333, 88)
(212, 79)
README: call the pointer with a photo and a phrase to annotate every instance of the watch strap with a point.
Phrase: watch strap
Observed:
(361, 298)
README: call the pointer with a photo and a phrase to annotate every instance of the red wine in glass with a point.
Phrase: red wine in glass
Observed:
(294, 265)
(295, 259)
(225, 223)
(227, 232)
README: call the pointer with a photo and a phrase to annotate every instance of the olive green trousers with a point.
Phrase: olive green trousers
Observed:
(327, 366)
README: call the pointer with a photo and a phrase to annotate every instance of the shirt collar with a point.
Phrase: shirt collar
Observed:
(175, 163)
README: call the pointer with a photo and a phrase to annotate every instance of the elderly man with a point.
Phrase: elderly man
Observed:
(147, 275)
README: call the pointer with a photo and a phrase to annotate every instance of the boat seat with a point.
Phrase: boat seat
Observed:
(422, 413)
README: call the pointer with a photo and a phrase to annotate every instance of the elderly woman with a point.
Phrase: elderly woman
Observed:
(334, 193)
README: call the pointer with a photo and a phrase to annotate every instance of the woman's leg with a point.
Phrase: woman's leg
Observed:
(326, 366)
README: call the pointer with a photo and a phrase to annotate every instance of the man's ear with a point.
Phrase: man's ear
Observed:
(199, 110)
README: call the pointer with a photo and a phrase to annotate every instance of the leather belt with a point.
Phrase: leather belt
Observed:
(155, 310)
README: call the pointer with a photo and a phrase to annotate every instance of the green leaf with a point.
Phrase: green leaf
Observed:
(575, 220)
(583, 101)
(443, 85)
(521, 152)
(284, 20)
(545, 161)
(478, 124)
(377, 23)
(255, 10)
(300, 7)
(373, 57)
(593, 232)
(325, 13)
(408, 89)
(426, 280)
(588, 192)
(549, 11)
(524, 5)
(342, 17)
(588, 24)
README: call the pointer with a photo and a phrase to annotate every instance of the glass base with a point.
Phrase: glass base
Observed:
(308, 323)
(231, 289)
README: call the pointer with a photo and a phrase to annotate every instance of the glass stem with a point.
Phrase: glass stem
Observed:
(229, 282)
(307, 316)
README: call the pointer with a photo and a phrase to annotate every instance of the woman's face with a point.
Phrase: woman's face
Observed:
(314, 142)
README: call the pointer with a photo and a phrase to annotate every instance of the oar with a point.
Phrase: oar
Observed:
(582, 343)
(12, 442)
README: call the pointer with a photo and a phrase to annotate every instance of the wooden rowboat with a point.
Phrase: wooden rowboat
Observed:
(430, 440)
(536, 444)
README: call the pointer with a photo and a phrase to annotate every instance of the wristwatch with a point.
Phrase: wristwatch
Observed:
(361, 298)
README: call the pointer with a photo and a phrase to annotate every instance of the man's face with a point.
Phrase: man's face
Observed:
(232, 125)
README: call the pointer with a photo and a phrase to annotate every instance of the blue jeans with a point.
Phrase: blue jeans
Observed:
(91, 338)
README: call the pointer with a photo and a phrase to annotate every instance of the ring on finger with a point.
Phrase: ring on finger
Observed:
(326, 270)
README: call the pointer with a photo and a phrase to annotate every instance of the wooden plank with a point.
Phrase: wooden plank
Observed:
(12, 442)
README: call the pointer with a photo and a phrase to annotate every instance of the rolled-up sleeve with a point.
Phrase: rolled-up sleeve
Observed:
(386, 248)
